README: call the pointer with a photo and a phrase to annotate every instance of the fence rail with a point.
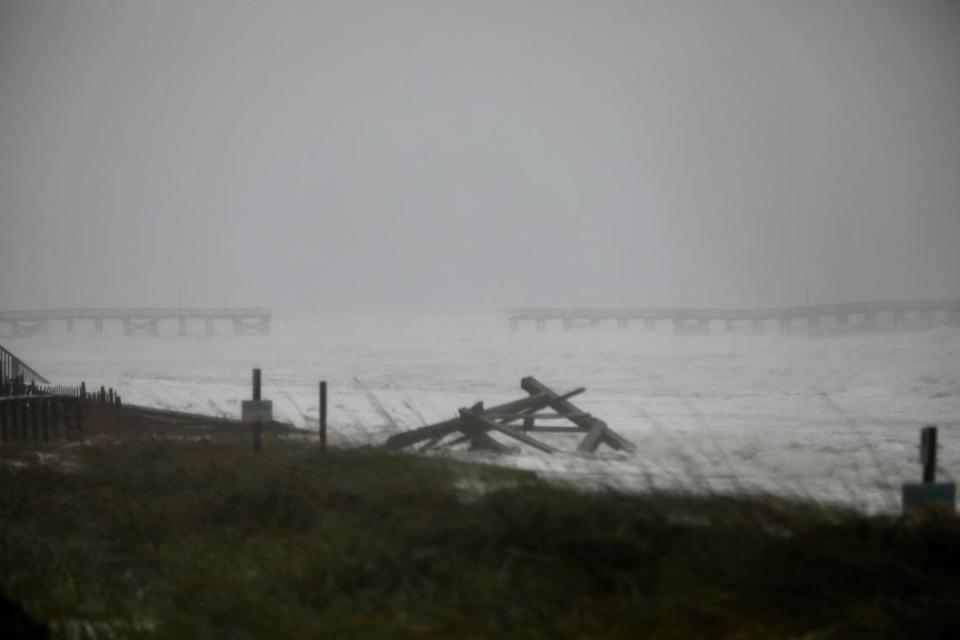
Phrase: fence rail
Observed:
(16, 376)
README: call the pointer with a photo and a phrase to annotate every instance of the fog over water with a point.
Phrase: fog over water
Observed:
(312, 155)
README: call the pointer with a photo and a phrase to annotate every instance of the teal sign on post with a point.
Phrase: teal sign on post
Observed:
(254, 410)
(919, 496)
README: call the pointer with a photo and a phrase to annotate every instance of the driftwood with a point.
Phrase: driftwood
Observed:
(516, 420)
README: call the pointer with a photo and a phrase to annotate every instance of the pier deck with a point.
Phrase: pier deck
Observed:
(139, 321)
(896, 315)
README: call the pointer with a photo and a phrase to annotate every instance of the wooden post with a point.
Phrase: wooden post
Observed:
(257, 424)
(59, 416)
(928, 454)
(929, 494)
(322, 416)
(78, 405)
(45, 419)
(34, 419)
(20, 421)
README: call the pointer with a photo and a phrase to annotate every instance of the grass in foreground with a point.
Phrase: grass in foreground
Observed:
(176, 539)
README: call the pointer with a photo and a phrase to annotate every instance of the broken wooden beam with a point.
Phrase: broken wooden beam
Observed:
(409, 438)
(434, 441)
(477, 433)
(480, 422)
(513, 417)
(476, 424)
(590, 443)
(598, 430)
(459, 440)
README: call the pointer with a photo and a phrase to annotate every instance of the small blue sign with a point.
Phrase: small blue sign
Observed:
(939, 494)
(254, 410)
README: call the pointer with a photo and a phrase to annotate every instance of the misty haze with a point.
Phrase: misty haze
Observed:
(675, 248)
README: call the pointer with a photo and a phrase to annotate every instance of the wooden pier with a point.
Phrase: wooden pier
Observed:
(139, 321)
(889, 315)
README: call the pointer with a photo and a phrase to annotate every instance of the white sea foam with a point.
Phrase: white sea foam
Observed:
(832, 418)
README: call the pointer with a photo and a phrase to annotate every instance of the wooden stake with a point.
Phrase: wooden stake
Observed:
(322, 416)
(928, 454)
(258, 424)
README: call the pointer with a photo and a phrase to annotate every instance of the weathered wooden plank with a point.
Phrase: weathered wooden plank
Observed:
(479, 421)
(527, 415)
(513, 417)
(590, 443)
(407, 438)
(534, 387)
(434, 441)
(477, 432)
(459, 440)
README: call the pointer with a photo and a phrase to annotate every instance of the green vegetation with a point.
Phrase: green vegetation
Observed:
(202, 539)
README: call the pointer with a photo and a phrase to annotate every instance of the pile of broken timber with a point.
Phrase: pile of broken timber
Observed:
(517, 420)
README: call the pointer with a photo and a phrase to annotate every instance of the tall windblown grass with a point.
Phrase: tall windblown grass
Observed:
(202, 538)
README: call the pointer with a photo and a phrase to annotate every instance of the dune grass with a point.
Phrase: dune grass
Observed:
(165, 538)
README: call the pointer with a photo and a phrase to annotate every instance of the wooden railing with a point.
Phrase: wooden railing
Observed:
(17, 377)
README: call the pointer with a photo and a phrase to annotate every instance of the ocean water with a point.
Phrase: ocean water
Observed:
(830, 418)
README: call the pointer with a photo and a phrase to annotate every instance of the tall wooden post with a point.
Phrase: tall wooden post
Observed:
(79, 416)
(928, 454)
(45, 419)
(322, 417)
(59, 416)
(929, 493)
(20, 421)
(257, 424)
(34, 420)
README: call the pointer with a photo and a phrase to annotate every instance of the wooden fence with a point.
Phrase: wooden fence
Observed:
(40, 418)
(34, 411)
(46, 413)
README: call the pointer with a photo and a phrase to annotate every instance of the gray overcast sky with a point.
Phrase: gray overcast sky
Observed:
(454, 154)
